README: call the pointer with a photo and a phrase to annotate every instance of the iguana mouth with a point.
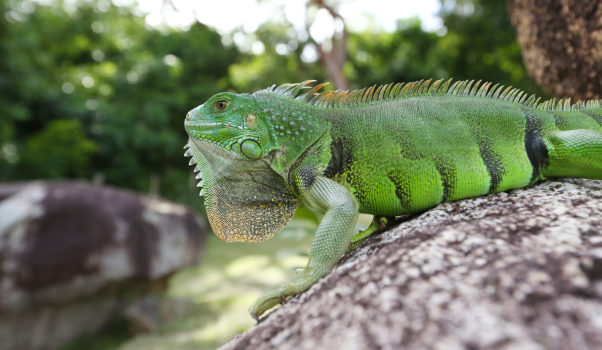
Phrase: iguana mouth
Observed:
(205, 124)
(201, 124)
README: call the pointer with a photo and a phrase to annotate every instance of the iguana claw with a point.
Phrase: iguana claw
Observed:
(285, 291)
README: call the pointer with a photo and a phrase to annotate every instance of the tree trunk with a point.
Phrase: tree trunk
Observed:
(562, 44)
(334, 57)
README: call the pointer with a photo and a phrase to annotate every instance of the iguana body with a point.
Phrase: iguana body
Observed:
(387, 151)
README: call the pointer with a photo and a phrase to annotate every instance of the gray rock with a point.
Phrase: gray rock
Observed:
(515, 270)
(72, 256)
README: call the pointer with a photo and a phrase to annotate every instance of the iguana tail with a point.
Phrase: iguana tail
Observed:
(574, 153)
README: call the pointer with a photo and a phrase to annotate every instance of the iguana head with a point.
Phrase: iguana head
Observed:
(228, 141)
(231, 121)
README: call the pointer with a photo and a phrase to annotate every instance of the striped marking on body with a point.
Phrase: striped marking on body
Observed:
(402, 189)
(561, 123)
(491, 159)
(448, 174)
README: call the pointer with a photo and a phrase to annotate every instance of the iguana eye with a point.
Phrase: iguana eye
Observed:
(220, 105)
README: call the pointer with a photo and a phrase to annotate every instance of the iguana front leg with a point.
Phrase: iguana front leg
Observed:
(330, 243)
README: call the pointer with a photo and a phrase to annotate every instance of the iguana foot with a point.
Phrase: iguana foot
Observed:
(283, 293)
(379, 223)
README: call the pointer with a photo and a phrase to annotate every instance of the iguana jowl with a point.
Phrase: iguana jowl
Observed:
(388, 150)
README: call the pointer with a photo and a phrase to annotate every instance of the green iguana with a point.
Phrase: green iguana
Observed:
(388, 151)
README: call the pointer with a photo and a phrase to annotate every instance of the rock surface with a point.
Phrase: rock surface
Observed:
(72, 256)
(515, 270)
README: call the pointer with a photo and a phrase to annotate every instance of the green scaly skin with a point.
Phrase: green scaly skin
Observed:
(387, 151)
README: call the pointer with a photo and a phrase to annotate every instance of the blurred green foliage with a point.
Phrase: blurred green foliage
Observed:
(49, 152)
(92, 92)
(477, 42)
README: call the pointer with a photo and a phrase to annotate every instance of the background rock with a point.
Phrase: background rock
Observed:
(72, 256)
(515, 270)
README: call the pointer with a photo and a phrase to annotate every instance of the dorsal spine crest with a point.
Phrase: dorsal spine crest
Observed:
(311, 94)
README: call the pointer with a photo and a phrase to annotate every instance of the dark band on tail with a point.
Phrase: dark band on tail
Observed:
(534, 145)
